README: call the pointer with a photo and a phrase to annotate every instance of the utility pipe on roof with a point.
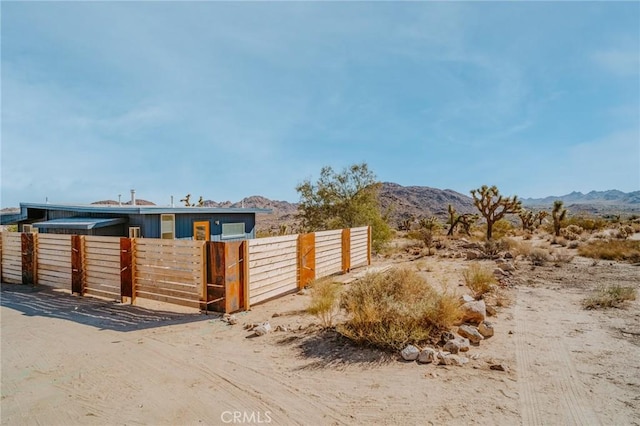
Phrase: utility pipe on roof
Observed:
(133, 197)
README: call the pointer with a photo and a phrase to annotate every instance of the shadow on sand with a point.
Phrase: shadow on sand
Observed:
(98, 313)
(330, 349)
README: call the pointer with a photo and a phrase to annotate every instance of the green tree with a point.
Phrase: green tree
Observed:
(493, 206)
(343, 200)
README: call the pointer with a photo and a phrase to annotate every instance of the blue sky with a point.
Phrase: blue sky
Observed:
(228, 100)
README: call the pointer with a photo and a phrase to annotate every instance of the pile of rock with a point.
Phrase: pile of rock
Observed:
(473, 329)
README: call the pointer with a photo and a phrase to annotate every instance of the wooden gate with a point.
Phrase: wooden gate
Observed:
(225, 276)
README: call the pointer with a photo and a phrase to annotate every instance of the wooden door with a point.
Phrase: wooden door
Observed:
(201, 231)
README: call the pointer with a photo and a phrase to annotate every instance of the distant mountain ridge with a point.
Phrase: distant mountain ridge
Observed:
(610, 197)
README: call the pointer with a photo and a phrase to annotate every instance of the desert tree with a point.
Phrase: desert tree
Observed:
(493, 206)
(528, 219)
(540, 216)
(429, 227)
(343, 200)
(466, 220)
(558, 214)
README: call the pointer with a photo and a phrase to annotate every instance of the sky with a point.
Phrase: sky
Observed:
(231, 99)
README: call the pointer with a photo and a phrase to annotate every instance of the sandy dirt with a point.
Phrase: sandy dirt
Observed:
(69, 360)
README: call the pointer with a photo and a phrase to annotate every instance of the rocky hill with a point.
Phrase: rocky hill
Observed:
(611, 197)
(400, 201)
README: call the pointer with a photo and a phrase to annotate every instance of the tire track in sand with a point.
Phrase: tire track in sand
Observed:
(550, 388)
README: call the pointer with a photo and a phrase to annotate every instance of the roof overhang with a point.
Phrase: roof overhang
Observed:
(142, 210)
(85, 223)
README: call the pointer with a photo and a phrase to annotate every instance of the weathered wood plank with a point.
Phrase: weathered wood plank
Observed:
(166, 299)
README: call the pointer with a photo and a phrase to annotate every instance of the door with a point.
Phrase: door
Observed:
(201, 231)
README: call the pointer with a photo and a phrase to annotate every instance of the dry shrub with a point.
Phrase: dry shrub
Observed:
(571, 232)
(624, 232)
(561, 256)
(609, 297)
(574, 244)
(325, 298)
(624, 250)
(517, 247)
(538, 257)
(392, 309)
(479, 280)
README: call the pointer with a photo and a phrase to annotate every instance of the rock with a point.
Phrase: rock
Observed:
(446, 336)
(275, 315)
(463, 343)
(474, 312)
(508, 255)
(472, 255)
(499, 261)
(410, 353)
(471, 333)
(456, 360)
(452, 346)
(303, 292)
(262, 329)
(441, 358)
(491, 311)
(281, 328)
(426, 356)
(507, 267)
(466, 298)
(486, 329)
(499, 367)
(472, 246)
(232, 320)
(499, 273)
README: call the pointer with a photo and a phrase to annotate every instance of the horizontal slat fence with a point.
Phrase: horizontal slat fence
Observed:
(273, 267)
(176, 271)
(169, 271)
(328, 253)
(54, 260)
(359, 246)
(11, 257)
(102, 267)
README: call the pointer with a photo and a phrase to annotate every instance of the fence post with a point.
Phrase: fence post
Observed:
(306, 259)
(29, 255)
(369, 241)
(346, 250)
(77, 264)
(126, 269)
(244, 274)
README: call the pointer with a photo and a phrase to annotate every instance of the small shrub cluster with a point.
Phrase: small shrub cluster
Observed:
(561, 256)
(479, 280)
(517, 247)
(587, 223)
(538, 257)
(623, 250)
(610, 297)
(571, 232)
(392, 309)
(325, 301)
(624, 232)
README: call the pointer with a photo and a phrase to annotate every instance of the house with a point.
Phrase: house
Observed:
(201, 223)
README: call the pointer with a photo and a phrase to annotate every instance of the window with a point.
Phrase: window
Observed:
(233, 230)
(201, 231)
(167, 226)
(134, 232)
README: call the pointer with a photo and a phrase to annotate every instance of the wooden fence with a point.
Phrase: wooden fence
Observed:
(225, 276)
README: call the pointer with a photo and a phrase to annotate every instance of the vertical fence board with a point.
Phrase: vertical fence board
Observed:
(12, 257)
(306, 259)
(28, 246)
(346, 250)
(77, 264)
(126, 267)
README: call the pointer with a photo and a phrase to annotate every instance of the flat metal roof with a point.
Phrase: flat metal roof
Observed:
(107, 208)
(79, 223)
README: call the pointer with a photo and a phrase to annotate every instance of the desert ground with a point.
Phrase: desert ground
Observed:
(71, 361)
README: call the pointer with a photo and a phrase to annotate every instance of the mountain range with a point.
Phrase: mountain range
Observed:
(610, 197)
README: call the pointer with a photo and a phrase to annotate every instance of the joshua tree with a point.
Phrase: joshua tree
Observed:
(528, 219)
(558, 214)
(493, 206)
(428, 228)
(466, 220)
(201, 202)
(186, 201)
(540, 216)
